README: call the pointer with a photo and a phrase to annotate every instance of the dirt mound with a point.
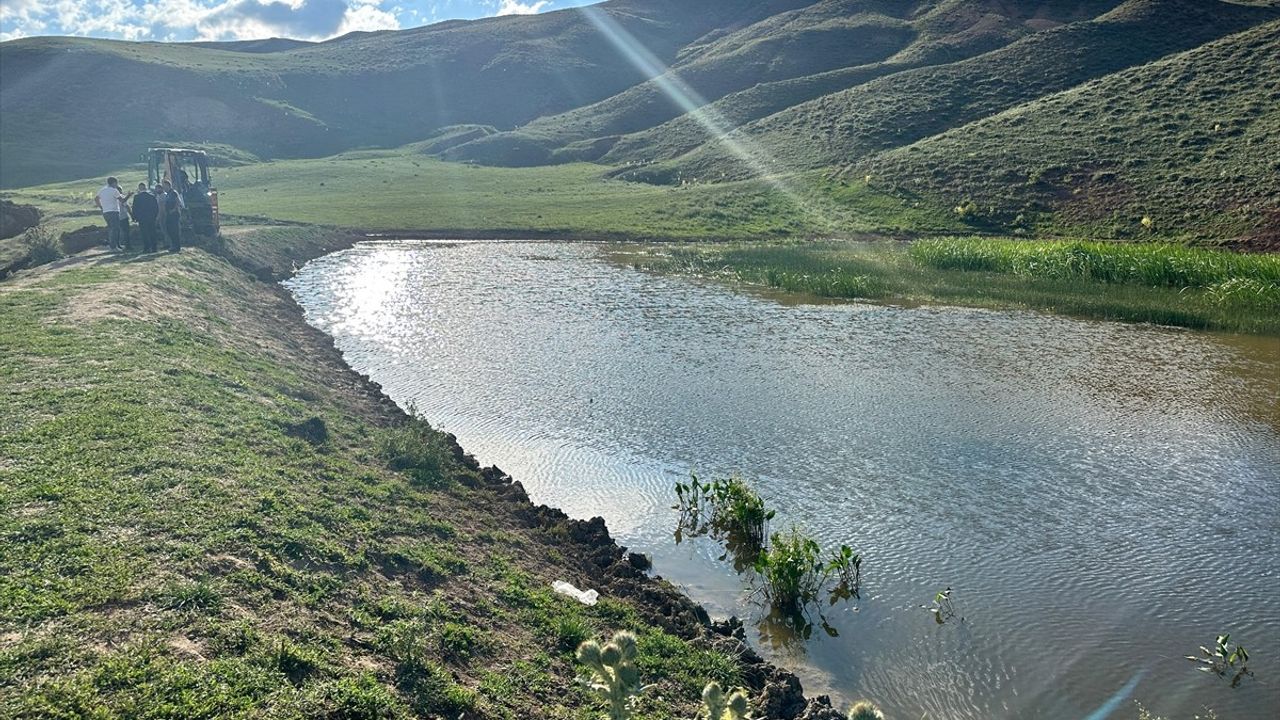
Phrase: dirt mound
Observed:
(84, 238)
(16, 219)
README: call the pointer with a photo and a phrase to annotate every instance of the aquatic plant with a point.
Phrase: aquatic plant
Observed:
(1145, 714)
(791, 569)
(865, 710)
(613, 677)
(728, 509)
(717, 705)
(1224, 659)
(942, 608)
(846, 566)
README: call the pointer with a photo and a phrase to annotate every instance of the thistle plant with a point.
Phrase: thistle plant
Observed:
(716, 705)
(865, 710)
(613, 676)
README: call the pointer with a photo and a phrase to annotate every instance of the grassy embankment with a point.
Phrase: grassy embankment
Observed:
(1158, 283)
(199, 517)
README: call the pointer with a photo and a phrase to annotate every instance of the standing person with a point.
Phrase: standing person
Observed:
(171, 205)
(146, 209)
(108, 201)
(126, 241)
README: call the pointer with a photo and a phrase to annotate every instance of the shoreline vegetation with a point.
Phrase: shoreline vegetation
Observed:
(1161, 283)
(206, 513)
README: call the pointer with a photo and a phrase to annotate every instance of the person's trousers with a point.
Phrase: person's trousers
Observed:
(148, 229)
(173, 231)
(125, 240)
(113, 229)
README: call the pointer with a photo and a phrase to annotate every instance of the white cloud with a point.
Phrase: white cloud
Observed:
(515, 7)
(194, 19)
(368, 17)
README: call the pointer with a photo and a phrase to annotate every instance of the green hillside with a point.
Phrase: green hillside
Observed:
(372, 89)
(824, 36)
(776, 63)
(946, 32)
(1207, 123)
(902, 108)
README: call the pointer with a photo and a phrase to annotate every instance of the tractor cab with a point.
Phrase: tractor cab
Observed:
(188, 171)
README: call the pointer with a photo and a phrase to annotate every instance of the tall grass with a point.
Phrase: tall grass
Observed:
(1151, 282)
(1149, 264)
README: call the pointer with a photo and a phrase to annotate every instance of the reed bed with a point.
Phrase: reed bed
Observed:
(1158, 283)
(1150, 264)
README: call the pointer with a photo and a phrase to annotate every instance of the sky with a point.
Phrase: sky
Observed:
(182, 20)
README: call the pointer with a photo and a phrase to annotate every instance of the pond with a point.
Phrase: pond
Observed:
(1102, 498)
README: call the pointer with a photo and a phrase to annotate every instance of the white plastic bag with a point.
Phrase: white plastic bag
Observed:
(586, 597)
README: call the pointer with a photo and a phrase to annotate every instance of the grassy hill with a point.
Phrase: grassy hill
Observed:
(371, 89)
(776, 63)
(944, 33)
(824, 36)
(1191, 142)
(902, 108)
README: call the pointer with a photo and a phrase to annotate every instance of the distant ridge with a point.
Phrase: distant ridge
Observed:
(267, 45)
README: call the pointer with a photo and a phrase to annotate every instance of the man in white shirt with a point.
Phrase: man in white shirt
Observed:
(109, 200)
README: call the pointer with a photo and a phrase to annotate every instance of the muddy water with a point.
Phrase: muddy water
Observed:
(1102, 498)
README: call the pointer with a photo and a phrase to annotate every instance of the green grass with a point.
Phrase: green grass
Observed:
(201, 516)
(370, 89)
(402, 191)
(1157, 283)
(1184, 142)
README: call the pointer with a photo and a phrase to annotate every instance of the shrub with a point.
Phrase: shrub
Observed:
(43, 245)
(419, 450)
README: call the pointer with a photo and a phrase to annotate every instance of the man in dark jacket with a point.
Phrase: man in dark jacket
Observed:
(171, 205)
(146, 209)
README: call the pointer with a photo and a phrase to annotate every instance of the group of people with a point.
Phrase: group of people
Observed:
(156, 210)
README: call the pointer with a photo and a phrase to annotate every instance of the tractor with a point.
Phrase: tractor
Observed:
(188, 170)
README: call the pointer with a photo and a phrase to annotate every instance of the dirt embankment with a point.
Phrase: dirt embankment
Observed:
(588, 551)
(16, 219)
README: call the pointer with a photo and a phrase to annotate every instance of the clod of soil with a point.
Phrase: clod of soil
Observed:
(16, 219)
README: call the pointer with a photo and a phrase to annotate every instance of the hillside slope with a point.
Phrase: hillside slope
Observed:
(824, 36)
(905, 107)
(1191, 142)
(382, 89)
(945, 33)
(778, 62)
